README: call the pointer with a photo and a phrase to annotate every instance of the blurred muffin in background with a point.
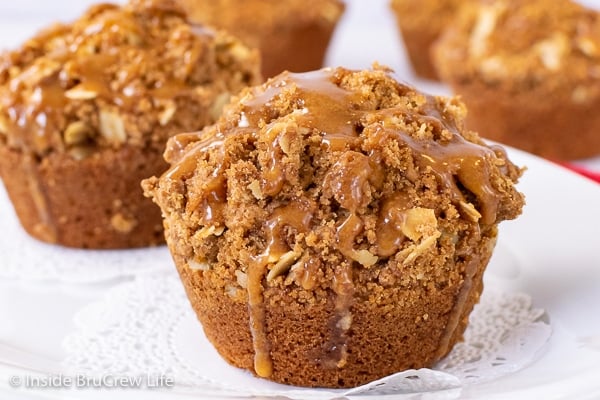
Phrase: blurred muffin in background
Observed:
(86, 110)
(420, 23)
(529, 72)
(291, 35)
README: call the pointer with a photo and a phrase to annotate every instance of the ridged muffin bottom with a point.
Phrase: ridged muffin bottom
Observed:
(405, 330)
(94, 203)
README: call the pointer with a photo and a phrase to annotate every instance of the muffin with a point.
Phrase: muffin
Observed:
(420, 24)
(291, 35)
(86, 110)
(333, 227)
(529, 72)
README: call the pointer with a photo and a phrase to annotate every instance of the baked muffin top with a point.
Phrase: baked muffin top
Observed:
(251, 19)
(523, 45)
(427, 14)
(133, 74)
(333, 165)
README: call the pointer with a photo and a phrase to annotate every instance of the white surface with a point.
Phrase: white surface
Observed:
(158, 332)
(29, 259)
(550, 253)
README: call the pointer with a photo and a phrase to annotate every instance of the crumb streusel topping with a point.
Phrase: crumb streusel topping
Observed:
(134, 74)
(334, 181)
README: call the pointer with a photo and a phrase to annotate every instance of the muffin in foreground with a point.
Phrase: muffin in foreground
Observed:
(333, 227)
(291, 35)
(529, 72)
(86, 110)
(421, 22)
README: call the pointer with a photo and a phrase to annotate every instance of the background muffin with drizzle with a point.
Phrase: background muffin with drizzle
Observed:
(86, 109)
(333, 227)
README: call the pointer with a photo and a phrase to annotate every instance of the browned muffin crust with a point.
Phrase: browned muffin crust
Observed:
(421, 22)
(292, 35)
(333, 227)
(529, 73)
(110, 88)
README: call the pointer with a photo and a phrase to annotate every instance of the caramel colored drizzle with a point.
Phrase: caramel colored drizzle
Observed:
(177, 149)
(46, 228)
(336, 350)
(305, 272)
(459, 306)
(34, 122)
(213, 200)
(350, 178)
(315, 92)
(273, 178)
(212, 195)
(456, 160)
(463, 162)
(184, 151)
(296, 215)
(467, 161)
(389, 224)
(263, 365)
(81, 65)
(346, 234)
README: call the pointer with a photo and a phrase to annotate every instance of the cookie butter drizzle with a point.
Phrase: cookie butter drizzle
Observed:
(45, 228)
(298, 216)
(33, 123)
(331, 111)
(315, 91)
(465, 162)
(80, 65)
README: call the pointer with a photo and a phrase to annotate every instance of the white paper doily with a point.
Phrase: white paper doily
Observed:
(146, 327)
(23, 257)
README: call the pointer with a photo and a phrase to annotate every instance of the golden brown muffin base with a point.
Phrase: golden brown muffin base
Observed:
(88, 203)
(385, 337)
(551, 126)
(296, 49)
(290, 35)
(418, 43)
